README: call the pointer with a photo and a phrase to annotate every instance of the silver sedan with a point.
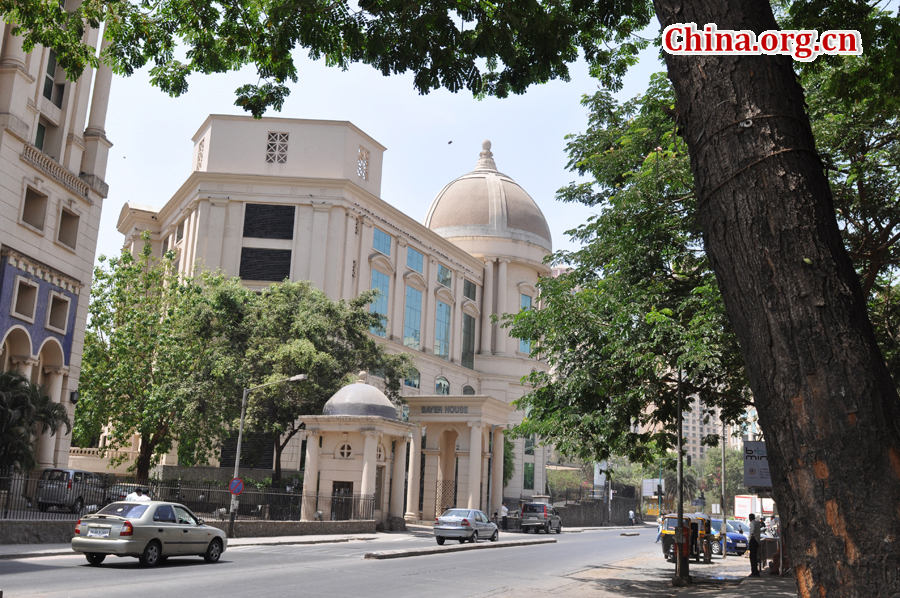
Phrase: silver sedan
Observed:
(151, 531)
(464, 525)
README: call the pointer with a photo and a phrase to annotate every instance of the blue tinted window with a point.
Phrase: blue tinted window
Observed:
(468, 342)
(469, 289)
(524, 345)
(444, 276)
(412, 380)
(412, 322)
(442, 331)
(441, 386)
(382, 242)
(414, 259)
(380, 305)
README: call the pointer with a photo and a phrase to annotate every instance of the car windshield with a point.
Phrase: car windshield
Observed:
(717, 525)
(128, 510)
(533, 509)
(55, 475)
(456, 513)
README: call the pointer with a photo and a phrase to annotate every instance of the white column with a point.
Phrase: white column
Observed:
(398, 476)
(310, 475)
(475, 465)
(96, 145)
(396, 322)
(502, 306)
(415, 463)
(13, 54)
(497, 471)
(319, 257)
(487, 307)
(25, 365)
(46, 450)
(369, 461)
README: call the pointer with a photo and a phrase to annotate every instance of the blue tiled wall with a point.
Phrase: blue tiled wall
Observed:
(38, 332)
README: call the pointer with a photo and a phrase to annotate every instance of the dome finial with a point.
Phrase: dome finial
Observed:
(486, 158)
(362, 377)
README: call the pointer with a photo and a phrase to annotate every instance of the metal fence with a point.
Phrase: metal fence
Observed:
(326, 506)
(64, 497)
(568, 496)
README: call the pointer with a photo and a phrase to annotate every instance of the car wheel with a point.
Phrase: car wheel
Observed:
(717, 548)
(94, 558)
(496, 536)
(439, 540)
(473, 538)
(78, 505)
(559, 529)
(547, 528)
(213, 551)
(42, 507)
(151, 554)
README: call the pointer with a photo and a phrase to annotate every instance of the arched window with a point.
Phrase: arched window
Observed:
(379, 453)
(441, 386)
(412, 380)
(468, 390)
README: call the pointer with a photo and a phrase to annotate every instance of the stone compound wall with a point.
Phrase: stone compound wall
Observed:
(270, 529)
(593, 513)
(61, 532)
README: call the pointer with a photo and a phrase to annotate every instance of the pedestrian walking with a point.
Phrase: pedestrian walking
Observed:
(630, 517)
(755, 539)
(504, 514)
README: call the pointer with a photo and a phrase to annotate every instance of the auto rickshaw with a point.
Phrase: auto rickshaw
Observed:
(701, 535)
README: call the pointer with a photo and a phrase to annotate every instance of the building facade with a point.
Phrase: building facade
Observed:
(53, 154)
(284, 198)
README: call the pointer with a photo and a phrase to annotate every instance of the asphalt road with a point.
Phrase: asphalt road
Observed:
(332, 570)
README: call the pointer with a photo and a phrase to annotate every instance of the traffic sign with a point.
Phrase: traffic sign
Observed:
(698, 502)
(236, 486)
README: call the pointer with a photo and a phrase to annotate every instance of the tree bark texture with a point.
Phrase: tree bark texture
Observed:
(827, 406)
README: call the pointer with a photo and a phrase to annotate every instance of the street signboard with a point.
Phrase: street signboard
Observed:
(698, 502)
(756, 465)
(649, 486)
(236, 486)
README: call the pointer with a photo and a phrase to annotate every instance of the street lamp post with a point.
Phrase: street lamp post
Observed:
(237, 456)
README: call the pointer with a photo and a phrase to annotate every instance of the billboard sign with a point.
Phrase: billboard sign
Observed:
(756, 465)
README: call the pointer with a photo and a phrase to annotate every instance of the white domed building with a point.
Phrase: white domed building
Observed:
(278, 197)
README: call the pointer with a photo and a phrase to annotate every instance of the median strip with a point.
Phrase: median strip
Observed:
(399, 554)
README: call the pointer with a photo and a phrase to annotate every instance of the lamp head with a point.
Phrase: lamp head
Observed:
(297, 378)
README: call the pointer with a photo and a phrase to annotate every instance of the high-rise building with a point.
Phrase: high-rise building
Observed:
(53, 154)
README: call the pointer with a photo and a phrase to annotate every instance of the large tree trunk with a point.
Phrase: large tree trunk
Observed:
(827, 406)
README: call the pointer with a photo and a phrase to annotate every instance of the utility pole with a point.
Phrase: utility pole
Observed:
(682, 576)
(724, 531)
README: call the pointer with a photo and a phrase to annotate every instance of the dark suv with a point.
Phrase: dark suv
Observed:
(539, 516)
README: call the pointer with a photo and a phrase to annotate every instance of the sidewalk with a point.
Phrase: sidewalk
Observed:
(650, 576)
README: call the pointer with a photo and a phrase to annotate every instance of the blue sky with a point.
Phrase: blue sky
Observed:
(151, 133)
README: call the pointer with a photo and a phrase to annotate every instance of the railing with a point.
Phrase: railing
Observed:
(96, 453)
(54, 169)
(326, 506)
(27, 497)
(568, 496)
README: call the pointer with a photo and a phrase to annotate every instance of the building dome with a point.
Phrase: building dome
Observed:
(487, 203)
(360, 399)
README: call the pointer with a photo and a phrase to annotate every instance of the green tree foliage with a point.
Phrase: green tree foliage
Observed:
(641, 303)
(509, 460)
(485, 47)
(151, 365)
(710, 477)
(25, 410)
(297, 329)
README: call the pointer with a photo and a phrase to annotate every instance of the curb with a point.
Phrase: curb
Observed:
(399, 554)
(33, 555)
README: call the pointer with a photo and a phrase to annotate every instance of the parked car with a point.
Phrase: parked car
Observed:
(539, 516)
(742, 527)
(69, 489)
(149, 531)
(736, 541)
(119, 492)
(465, 525)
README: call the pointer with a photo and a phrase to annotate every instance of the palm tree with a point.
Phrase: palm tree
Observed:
(671, 482)
(25, 411)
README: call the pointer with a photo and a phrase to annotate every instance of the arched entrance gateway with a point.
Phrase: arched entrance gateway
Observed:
(463, 453)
